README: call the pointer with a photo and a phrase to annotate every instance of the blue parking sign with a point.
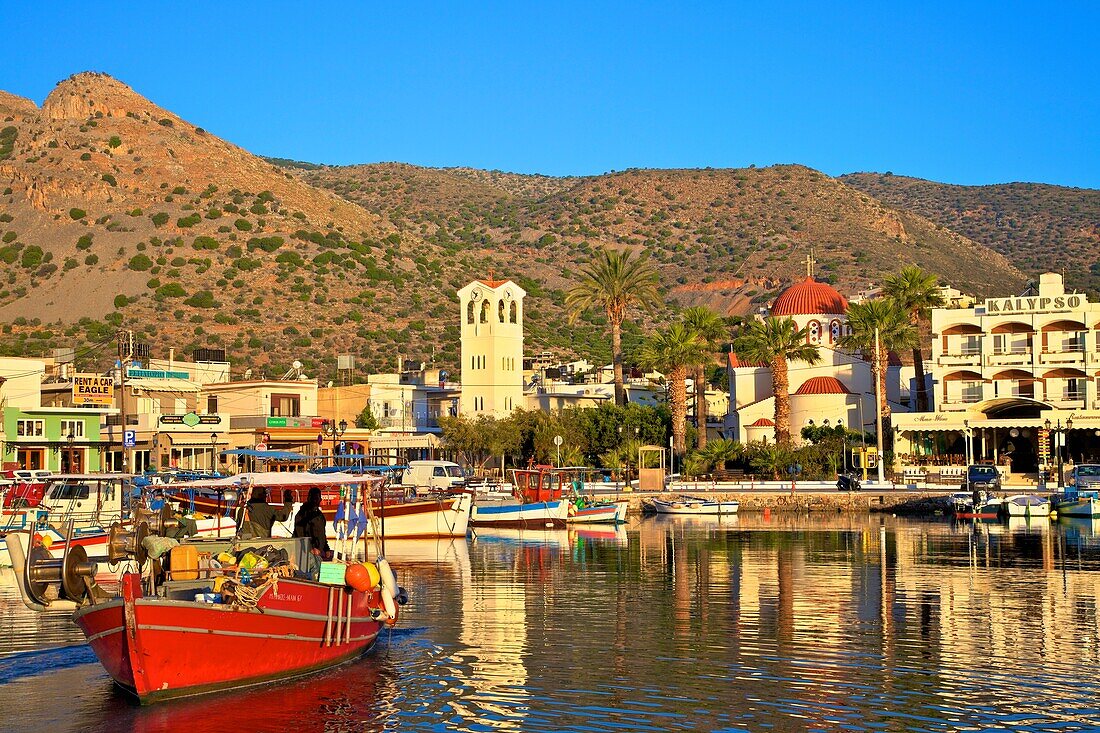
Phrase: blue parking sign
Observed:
(129, 438)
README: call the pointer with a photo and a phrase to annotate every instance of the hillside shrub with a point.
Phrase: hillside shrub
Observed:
(214, 213)
(160, 219)
(77, 214)
(171, 290)
(85, 157)
(71, 263)
(243, 225)
(121, 301)
(205, 243)
(9, 254)
(85, 242)
(136, 212)
(7, 141)
(139, 263)
(115, 141)
(267, 244)
(188, 221)
(9, 237)
(108, 179)
(92, 259)
(5, 218)
(202, 299)
(32, 257)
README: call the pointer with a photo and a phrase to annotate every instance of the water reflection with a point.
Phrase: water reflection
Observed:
(693, 623)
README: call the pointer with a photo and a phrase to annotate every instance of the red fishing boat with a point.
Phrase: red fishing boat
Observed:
(172, 645)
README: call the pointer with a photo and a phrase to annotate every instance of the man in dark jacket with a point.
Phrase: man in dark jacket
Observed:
(260, 516)
(310, 522)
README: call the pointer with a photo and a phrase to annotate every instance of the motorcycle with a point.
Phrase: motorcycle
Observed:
(848, 482)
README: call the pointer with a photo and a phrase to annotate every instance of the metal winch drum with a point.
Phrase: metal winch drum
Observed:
(159, 521)
(123, 543)
(74, 573)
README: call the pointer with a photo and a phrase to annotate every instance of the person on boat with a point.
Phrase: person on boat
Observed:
(260, 516)
(310, 522)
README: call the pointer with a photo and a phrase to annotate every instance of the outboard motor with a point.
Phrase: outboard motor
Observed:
(848, 482)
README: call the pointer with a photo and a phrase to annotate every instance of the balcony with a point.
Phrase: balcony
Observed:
(1020, 357)
(1074, 356)
(1068, 400)
(963, 358)
(413, 423)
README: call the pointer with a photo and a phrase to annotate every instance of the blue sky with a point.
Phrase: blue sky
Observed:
(961, 92)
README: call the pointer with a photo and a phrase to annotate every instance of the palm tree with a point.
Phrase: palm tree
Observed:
(776, 341)
(673, 351)
(716, 455)
(614, 282)
(712, 330)
(895, 332)
(917, 292)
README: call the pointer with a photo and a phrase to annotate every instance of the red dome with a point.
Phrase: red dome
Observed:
(809, 297)
(763, 423)
(822, 385)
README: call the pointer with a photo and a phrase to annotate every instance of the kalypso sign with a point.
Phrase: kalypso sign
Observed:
(1035, 304)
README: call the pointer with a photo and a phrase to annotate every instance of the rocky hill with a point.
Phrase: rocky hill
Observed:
(117, 213)
(1037, 226)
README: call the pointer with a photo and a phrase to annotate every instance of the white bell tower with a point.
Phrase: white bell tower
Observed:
(491, 332)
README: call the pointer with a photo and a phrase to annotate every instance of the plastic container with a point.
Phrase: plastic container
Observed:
(184, 561)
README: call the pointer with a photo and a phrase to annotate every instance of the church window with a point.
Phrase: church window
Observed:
(500, 311)
(512, 312)
(834, 331)
(470, 312)
(484, 311)
(813, 332)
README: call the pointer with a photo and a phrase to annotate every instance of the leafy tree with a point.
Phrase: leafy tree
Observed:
(615, 282)
(366, 420)
(776, 341)
(712, 332)
(674, 351)
(885, 324)
(918, 292)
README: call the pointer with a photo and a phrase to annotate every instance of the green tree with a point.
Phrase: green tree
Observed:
(614, 282)
(776, 341)
(366, 420)
(918, 292)
(770, 458)
(674, 351)
(716, 454)
(885, 323)
(712, 331)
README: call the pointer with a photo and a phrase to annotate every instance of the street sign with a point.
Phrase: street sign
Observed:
(129, 438)
(261, 446)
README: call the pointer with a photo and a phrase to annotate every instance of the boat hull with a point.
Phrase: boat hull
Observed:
(694, 506)
(1027, 506)
(158, 649)
(537, 515)
(1085, 507)
(603, 513)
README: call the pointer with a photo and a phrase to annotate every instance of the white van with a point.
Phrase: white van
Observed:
(434, 476)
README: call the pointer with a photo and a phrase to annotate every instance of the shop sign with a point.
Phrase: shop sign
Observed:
(190, 419)
(276, 422)
(156, 374)
(1035, 304)
(93, 389)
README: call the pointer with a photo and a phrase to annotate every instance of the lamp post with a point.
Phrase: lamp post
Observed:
(335, 431)
(71, 438)
(1059, 442)
(213, 452)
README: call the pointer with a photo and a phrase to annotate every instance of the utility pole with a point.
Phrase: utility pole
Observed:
(878, 410)
(125, 357)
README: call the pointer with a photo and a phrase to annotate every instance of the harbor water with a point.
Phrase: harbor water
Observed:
(780, 623)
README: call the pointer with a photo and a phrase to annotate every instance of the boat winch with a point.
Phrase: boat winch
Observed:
(74, 573)
(123, 543)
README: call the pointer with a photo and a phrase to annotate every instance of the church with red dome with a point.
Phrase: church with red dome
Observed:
(838, 390)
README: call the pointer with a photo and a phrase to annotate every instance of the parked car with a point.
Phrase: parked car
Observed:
(982, 476)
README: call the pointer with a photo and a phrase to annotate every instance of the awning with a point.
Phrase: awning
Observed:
(421, 440)
(267, 455)
(163, 385)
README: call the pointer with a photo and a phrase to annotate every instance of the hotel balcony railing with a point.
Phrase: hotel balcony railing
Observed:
(1008, 358)
(409, 422)
(1069, 400)
(962, 357)
(959, 402)
(1067, 356)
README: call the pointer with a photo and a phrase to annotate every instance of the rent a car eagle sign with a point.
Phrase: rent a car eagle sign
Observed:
(93, 389)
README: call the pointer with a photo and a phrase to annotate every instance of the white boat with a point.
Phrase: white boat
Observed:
(694, 505)
(513, 513)
(1026, 505)
(603, 512)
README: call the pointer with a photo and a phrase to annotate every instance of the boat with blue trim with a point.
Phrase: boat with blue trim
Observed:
(538, 501)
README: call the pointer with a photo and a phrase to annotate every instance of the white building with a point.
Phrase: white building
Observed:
(492, 347)
(838, 390)
(1000, 370)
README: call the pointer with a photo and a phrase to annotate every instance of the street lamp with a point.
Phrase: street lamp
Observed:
(213, 452)
(334, 431)
(1059, 442)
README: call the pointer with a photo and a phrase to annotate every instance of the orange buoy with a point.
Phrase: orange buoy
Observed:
(767, 512)
(362, 577)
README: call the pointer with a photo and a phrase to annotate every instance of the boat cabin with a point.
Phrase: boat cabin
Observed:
(86, 499)
(539, 483)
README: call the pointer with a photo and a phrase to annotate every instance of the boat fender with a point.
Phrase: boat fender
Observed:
(388, 579)
(402, 596)
(389, 606)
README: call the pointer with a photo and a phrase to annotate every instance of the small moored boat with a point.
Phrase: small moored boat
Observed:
(694, 505)
(1026, 505)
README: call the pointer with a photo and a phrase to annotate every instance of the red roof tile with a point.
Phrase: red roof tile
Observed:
(809, 297)
(822, 385)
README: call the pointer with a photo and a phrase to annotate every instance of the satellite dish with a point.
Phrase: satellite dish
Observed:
(296, 364)
(248, 374)
(329, 383)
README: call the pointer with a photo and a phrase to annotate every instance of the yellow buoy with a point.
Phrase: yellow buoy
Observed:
(372, 570)
(47, 541)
